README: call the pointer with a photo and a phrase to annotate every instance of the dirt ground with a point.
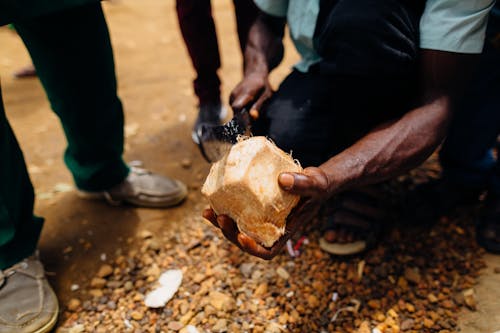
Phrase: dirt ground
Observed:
(154, 75)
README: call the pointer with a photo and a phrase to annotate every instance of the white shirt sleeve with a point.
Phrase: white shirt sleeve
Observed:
(273, 7)
(454, 25)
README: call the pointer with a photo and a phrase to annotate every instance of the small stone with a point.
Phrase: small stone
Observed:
(175, 325)
(283, 273)
(412, 275)
(95, 292)
(186, 163)
(470, 299)
(364, 328)
(98, 283)
(273, 327)
(313, 301)
(145, 234)
(137, 316)
(246, 269)
(407, 324)
(104, 271)
(428, 323)
(374, 304)
(128, 286)
(78, 328)
(220, 301)
(220, 326)
(74, 304)
(410, 307)
(432, 298)
(261, 289)
(111, 305)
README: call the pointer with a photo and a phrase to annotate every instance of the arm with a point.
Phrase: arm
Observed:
(399, 145)
(263, 52)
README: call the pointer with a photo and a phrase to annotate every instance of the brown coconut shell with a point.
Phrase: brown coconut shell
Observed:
(244, 186)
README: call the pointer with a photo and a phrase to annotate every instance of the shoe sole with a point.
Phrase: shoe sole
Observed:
(347, 249)
(50, 324)
(174, 201)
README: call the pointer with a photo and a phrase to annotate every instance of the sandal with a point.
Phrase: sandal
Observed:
(355, 223)
(488, 225)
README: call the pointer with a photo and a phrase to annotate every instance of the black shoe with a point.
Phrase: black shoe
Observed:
(209, 114)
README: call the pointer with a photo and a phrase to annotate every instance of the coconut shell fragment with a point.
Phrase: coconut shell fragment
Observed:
(244, 186)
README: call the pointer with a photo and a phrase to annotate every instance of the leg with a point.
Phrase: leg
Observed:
(21, 276)
(75, 65)
(198, 30)
(76, 68)
(19, 229)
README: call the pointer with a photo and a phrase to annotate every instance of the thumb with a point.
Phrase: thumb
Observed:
(312, 184)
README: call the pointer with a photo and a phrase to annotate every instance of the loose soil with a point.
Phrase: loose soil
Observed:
(413, 281)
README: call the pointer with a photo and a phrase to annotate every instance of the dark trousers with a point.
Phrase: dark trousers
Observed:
(367, 76)
(466, 156)
(198, 30)
(73, 57)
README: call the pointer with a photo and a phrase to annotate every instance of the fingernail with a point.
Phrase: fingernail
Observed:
(286, 180)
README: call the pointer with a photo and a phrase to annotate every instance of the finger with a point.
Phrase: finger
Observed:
(266, 94)
(311, 183)
(249, 245)
(242, 100)
(297, 183)
(229, 228)
(210, 215)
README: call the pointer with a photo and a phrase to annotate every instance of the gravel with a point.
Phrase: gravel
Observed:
(416, 280)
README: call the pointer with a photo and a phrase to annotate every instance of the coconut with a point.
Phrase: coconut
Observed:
(244, 186)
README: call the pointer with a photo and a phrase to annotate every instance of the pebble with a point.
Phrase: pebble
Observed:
(261, 289)
(175, 326)
(186, 163)
(220, 326)
(412, 275)
(220, 301)
(136, 315)
(104, 271)
(74, 304)
(246, 269)
(283, 273)
(285, 294)
(97, 283)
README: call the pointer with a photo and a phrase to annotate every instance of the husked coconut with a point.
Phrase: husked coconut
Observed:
(244, 186)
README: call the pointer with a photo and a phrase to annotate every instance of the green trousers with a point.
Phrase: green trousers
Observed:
(72, 53)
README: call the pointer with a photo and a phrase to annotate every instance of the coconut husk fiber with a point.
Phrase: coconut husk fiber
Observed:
(244, 186)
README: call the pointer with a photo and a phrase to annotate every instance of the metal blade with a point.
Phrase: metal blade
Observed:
(216, 141)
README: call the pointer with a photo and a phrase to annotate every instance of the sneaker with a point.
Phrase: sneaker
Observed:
(27, 302)
(142, 188)
(209, 114)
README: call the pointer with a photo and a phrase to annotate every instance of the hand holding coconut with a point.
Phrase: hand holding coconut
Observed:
(254, 195)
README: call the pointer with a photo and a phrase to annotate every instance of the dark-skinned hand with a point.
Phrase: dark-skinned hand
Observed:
(253, 90)
(312, 185)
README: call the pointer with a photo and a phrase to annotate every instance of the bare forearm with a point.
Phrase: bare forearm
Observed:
(390, 149)
(264, 50)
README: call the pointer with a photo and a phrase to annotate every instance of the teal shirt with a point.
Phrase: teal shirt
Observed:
(446, 25)
(301, 18)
